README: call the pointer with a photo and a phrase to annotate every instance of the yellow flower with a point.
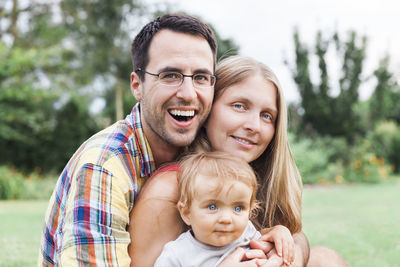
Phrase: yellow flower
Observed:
(339, 179)
(373, 159)
(322, 181)
(358, 164)
(382, 172)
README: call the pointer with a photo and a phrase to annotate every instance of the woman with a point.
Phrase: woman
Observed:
(248, 119)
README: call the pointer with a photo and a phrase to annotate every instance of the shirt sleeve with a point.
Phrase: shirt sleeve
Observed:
(167, 259)
(96, 219)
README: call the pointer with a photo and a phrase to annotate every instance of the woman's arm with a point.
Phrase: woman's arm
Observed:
(155, 220)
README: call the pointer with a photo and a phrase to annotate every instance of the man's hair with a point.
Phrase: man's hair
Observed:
(174, 22)
(221, 166)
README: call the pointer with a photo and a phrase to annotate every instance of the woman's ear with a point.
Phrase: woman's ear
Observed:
(184, 211)
(136, 86)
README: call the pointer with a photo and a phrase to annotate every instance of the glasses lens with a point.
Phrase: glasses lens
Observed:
(203, 80)
(170, 78)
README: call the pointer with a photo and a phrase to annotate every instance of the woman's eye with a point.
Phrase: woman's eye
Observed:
(212, 207)
(266, 116)
(238, 208)
(238, 106)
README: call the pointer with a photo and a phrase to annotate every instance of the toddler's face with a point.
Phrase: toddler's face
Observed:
(218, 217)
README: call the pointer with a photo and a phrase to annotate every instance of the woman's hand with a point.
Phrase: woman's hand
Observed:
(253, 257)
(244, 258)
(283, 241)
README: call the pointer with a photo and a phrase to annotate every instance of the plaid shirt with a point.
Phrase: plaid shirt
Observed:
(88, 214)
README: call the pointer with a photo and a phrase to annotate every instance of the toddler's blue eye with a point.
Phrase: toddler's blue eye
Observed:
(212, 207)
(238, 209)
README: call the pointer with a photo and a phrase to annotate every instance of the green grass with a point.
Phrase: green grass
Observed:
(361, 222)
(20, 230)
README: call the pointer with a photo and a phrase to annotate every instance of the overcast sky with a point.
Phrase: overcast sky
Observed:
(264, 29)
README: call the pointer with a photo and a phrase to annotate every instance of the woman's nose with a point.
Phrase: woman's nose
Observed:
(252, 122)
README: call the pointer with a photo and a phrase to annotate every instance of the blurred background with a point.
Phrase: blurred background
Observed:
(64, 75)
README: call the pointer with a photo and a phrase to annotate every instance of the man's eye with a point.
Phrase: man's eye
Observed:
(201, 77)
(212, 207)
(170, 75)
(238, 208)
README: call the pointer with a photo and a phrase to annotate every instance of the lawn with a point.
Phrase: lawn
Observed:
(362, 222)
(20, 230)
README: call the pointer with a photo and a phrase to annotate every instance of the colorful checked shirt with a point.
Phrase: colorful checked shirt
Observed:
(88, 214)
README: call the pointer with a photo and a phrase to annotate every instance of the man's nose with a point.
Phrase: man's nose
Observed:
(186, 90)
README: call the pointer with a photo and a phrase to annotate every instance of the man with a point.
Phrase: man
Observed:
(88, 214)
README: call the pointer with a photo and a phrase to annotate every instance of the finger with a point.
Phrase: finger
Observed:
(264, 246)
(272, 252)
(255, 254)
(237, 255)
(278, 247)
(262, 263)
(273, 259)
(286, 253)
(292, 252)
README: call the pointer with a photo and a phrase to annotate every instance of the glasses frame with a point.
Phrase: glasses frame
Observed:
(213, 77)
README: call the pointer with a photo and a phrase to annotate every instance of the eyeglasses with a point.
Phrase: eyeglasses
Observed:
(175, 78)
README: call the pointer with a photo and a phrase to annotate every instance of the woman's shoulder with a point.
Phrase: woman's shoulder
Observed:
(173, 166)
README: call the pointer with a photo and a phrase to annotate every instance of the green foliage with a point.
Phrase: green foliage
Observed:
(16, 185)
(30, 126)
(365, 166)
(67, 139)
(12, 184)
(323, 113)
(385, 140)
(384, 102)
(24, 108)
(317, 160)
(331, 160)
(101, 30)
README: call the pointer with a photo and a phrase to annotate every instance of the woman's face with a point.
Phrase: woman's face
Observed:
(242, 119)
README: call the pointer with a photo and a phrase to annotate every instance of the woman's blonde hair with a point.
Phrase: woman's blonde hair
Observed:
(280, 185)
(221, 166)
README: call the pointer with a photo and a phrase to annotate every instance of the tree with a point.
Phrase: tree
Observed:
(99, 30)
(34, 68)
(324, 113)
(384, 102)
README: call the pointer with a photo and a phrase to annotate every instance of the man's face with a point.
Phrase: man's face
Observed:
(172, 114)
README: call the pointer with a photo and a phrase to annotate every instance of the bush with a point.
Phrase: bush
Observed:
(331, 160)
(12, 184)
(385, 140)
(15, 185)
(365, 166)
(317, 161)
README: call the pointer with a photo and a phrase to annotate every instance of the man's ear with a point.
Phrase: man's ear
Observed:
(136, 86)
(185, 213)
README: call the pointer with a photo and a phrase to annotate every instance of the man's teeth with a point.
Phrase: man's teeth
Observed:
(176, 112)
